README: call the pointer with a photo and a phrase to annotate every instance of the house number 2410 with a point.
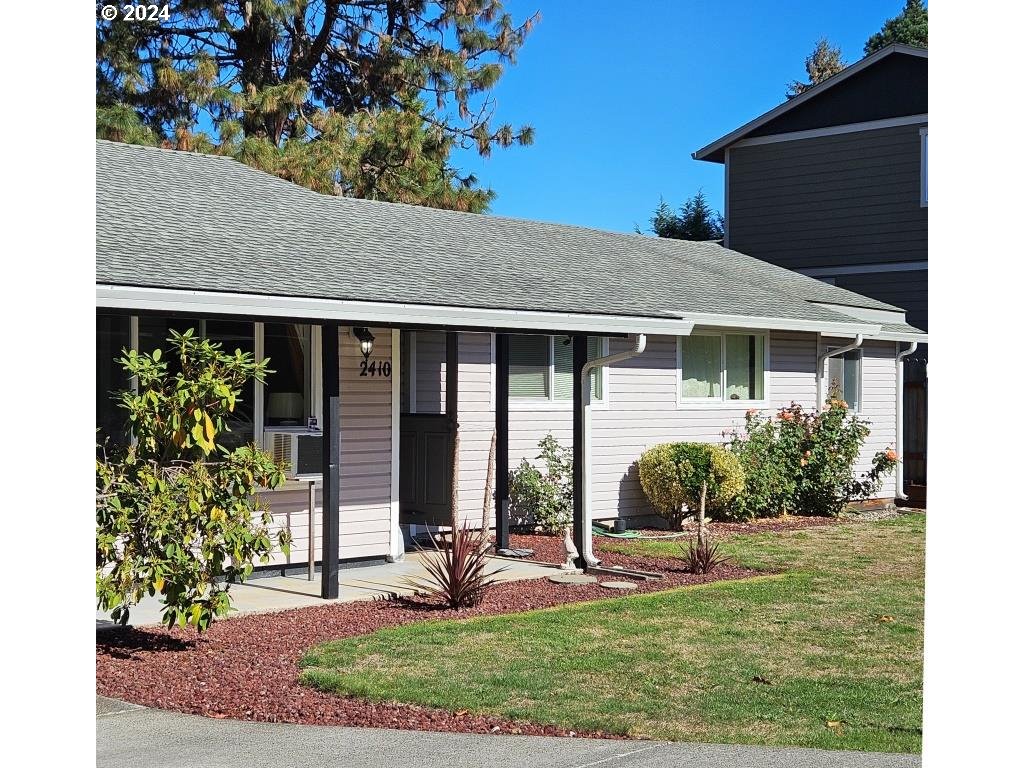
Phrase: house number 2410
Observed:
(373, 368)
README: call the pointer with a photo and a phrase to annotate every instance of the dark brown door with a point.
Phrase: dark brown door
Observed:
(425, 487)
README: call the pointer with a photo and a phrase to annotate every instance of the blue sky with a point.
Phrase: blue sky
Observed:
(621, 94)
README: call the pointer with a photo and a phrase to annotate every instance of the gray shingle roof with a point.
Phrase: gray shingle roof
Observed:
(181, 220)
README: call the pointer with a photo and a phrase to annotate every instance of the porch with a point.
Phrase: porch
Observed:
(269, 594)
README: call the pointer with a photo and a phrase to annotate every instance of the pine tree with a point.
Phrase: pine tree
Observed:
(367, 98)
(909, 28)
(694, 221)
(824, 61)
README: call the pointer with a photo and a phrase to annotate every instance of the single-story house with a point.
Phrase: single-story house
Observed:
(389, 326)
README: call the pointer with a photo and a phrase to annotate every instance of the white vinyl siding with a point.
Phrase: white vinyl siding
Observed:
(640, 411)
(365, 483)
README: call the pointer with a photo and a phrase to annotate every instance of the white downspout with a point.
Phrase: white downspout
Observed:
(639, 345)
(821, 365)
(899, 418)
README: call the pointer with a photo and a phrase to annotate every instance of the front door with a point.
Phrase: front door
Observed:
(425, 486)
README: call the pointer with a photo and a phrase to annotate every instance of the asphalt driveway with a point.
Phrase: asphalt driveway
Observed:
(130, 736)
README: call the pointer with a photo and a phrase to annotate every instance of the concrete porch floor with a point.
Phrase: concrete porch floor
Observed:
(369, 582)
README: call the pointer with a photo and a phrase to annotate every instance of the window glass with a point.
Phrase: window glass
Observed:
(235, 335)
(288, 399)
(541, 367)
(563, 367)
(232, 335)
(113, 334)
(744, 367)
(843, 375)
(701, 366)
(595, 349)
(529, 366)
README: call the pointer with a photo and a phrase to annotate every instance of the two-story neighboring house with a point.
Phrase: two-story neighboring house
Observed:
(834, 184)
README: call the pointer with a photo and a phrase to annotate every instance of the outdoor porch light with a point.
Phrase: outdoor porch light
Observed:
(365, 340)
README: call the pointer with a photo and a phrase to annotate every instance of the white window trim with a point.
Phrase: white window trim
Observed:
(707, 403)
(823, 381)
(924, 166)
(550, 403)
(315, 386)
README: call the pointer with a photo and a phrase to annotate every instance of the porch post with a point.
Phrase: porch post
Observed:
(331, 373)
(579, 359)
(451, 410)
(501, 521)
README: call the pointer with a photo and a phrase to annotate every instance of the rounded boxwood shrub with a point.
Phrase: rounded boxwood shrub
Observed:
(672, 475)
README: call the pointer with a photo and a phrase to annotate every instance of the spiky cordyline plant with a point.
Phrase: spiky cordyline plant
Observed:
(701, 556)
(455, 573)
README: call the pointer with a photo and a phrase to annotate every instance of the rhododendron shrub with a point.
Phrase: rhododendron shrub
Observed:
(802, 462)
(177, 512)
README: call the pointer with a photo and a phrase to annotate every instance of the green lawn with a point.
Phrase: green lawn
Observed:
(825, 654)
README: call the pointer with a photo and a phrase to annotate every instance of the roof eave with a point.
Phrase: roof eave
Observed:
(714, 152)
(182, 301)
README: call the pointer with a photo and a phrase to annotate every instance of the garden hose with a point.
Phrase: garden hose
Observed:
(636, 534)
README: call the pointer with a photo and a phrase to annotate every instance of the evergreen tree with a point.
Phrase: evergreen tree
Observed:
(367, 97)
(824, 61)
(695, 220)
(909, 28)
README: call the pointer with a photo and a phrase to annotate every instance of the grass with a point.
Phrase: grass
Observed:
(826, 652)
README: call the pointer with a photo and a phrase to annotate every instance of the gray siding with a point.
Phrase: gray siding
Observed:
(908, 290)
(833, 200)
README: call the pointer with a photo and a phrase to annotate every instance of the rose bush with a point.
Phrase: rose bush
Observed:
(803, 462)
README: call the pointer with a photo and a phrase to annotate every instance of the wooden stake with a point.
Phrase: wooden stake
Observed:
(489, 492)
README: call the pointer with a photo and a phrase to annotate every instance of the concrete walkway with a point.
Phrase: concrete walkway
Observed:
(128, 736)
(368, 582)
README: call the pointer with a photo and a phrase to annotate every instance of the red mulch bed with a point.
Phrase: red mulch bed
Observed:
(246, 668)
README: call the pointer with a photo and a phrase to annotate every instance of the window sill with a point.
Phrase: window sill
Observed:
(718, 405)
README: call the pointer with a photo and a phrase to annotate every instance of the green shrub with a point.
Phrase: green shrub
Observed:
(176, 512)
(673, 474)
(543, 498)
(802, 462)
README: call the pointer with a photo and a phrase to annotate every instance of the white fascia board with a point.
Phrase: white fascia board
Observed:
(835, 328)
(865, 269)
(920, 338)
(832, 130)
(372, 313)
(867, 314)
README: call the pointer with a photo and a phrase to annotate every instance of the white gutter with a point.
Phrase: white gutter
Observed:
(639, 345)
(899, 418)
(821, 365)
(180, 300)
(177, 301)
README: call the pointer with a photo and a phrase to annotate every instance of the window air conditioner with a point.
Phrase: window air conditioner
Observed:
(302, 453)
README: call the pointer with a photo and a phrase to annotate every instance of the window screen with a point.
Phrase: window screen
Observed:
(529, 366)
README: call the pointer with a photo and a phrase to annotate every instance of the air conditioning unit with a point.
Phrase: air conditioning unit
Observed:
(301, 452)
